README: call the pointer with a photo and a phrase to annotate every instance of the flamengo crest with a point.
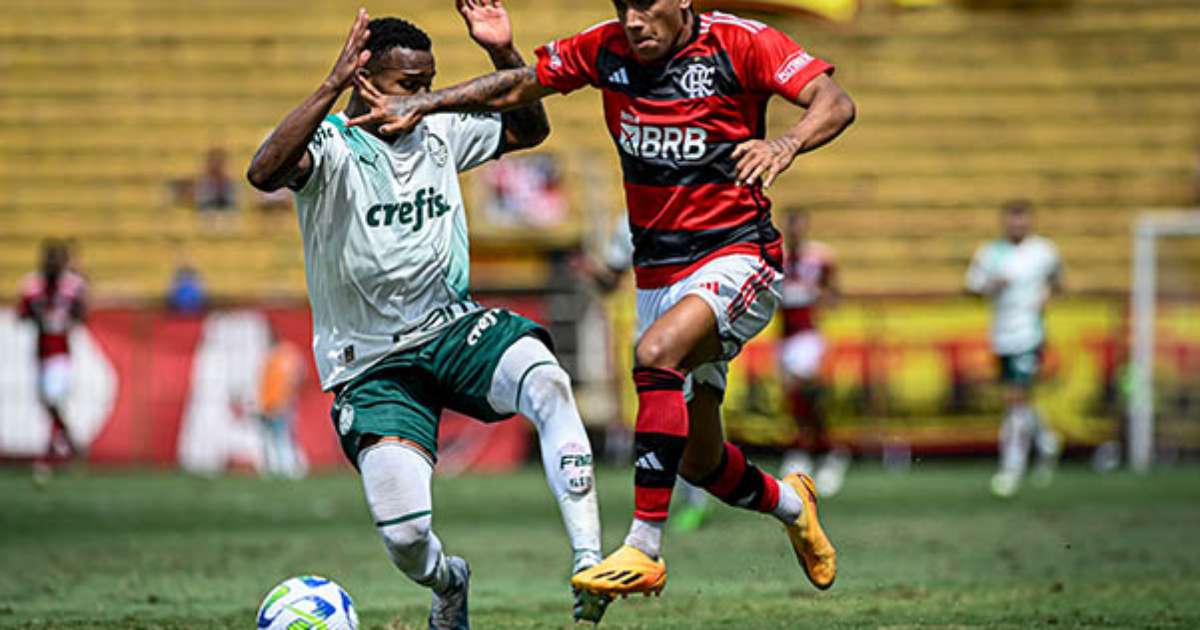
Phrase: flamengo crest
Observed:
(697, 81)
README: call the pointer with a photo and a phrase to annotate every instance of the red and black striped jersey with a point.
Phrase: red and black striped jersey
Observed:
(54, 307)
(676, 123)
(807, 274)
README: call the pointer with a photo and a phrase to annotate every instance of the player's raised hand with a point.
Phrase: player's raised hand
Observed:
(353, 56)
(391, 114)
(487, 22)
(763, 160)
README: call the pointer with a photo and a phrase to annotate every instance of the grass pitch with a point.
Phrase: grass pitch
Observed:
(930, 548)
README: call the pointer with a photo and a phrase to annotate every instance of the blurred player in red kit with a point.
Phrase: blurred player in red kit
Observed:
(685, 97)
(810, 284)
(53, 300)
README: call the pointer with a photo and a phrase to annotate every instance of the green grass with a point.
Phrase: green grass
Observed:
(931, 548)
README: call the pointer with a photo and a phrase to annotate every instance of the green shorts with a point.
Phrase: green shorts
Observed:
(404, 394)
(1020, 369)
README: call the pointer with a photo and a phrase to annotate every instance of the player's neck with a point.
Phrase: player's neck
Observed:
(355, 107)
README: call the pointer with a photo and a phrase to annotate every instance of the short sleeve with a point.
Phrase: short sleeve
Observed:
(618, 255)
(775, 63)
(978, 274)
(1054, 265)
(472, 138)
(567, 64)
(327, 149)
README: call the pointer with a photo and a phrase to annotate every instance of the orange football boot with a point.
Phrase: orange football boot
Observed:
(628, 570)
(813, 549)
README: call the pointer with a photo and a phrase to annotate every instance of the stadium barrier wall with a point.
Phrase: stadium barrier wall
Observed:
(918, 372)
(150, 388)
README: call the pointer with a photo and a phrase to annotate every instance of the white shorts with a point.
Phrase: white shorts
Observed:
(800, 355)
(742, 291)
(54, 380)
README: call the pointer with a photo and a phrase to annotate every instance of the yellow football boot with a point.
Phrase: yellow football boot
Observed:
(813, 549)
(628, 570)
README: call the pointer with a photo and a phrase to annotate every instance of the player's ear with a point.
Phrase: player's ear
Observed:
(685, 5)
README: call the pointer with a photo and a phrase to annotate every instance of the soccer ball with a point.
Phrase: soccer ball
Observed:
(307, 602)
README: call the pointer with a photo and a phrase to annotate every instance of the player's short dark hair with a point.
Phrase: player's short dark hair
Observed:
(1018, 206)
(392, 32)
(54, 247)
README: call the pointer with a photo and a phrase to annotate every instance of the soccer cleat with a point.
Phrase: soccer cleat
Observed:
(831, 475)
(588, 606)
(449, 610)
(628, 570)
(813, 549)
(1005, 484)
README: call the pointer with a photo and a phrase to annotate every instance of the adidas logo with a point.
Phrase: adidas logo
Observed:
(620, 77)
(649, 461)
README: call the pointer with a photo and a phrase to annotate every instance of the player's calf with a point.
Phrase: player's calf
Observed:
(740, 483)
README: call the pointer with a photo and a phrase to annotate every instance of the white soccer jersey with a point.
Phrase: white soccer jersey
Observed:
(618, 253)
(385, 236)
(1028, 269)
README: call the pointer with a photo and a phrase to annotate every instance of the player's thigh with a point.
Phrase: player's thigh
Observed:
(466, 360)
(706, 436)
(54, 380)
(800, 356)
(400, 404)
(682, 337)
(742, 293)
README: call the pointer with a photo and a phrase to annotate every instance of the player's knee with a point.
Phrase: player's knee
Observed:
(406, 542)
(654, 352)
(547, 389)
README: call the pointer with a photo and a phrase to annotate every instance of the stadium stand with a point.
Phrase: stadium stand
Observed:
(1089, 109)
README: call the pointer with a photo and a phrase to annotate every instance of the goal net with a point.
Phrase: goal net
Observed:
(1164, 376)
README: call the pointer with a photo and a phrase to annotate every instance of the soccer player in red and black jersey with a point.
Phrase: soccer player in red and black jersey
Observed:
(685, 98)
(53, 299)
(810, 285)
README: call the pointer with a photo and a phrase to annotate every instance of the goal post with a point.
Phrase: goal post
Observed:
(1149, 230)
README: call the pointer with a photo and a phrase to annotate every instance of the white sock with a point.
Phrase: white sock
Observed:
(790, 505)
(529, 380)
(396, 481)
(646, 536)
(1016, 432)
(691, 495)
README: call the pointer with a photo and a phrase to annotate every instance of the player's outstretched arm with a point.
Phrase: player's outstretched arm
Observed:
(283, 157)
(490, 27)
(500, 91)
(829, 111)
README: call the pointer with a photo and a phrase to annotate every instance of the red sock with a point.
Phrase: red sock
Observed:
(740, 483)
(658, 439)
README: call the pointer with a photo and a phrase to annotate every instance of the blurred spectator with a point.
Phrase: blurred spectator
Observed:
(524, 190)
(215, 189)
(283, 372)
(53, 300)
(216, 192)
(186, 295)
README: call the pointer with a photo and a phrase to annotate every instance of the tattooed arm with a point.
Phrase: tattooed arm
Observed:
(488, 23)
(525, 126)
(499, 91)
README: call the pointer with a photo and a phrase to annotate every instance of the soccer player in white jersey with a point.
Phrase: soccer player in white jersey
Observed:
(1019, 272)
(396, 335)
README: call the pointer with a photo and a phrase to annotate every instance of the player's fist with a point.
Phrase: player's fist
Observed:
(354, 54)
(487, 22)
